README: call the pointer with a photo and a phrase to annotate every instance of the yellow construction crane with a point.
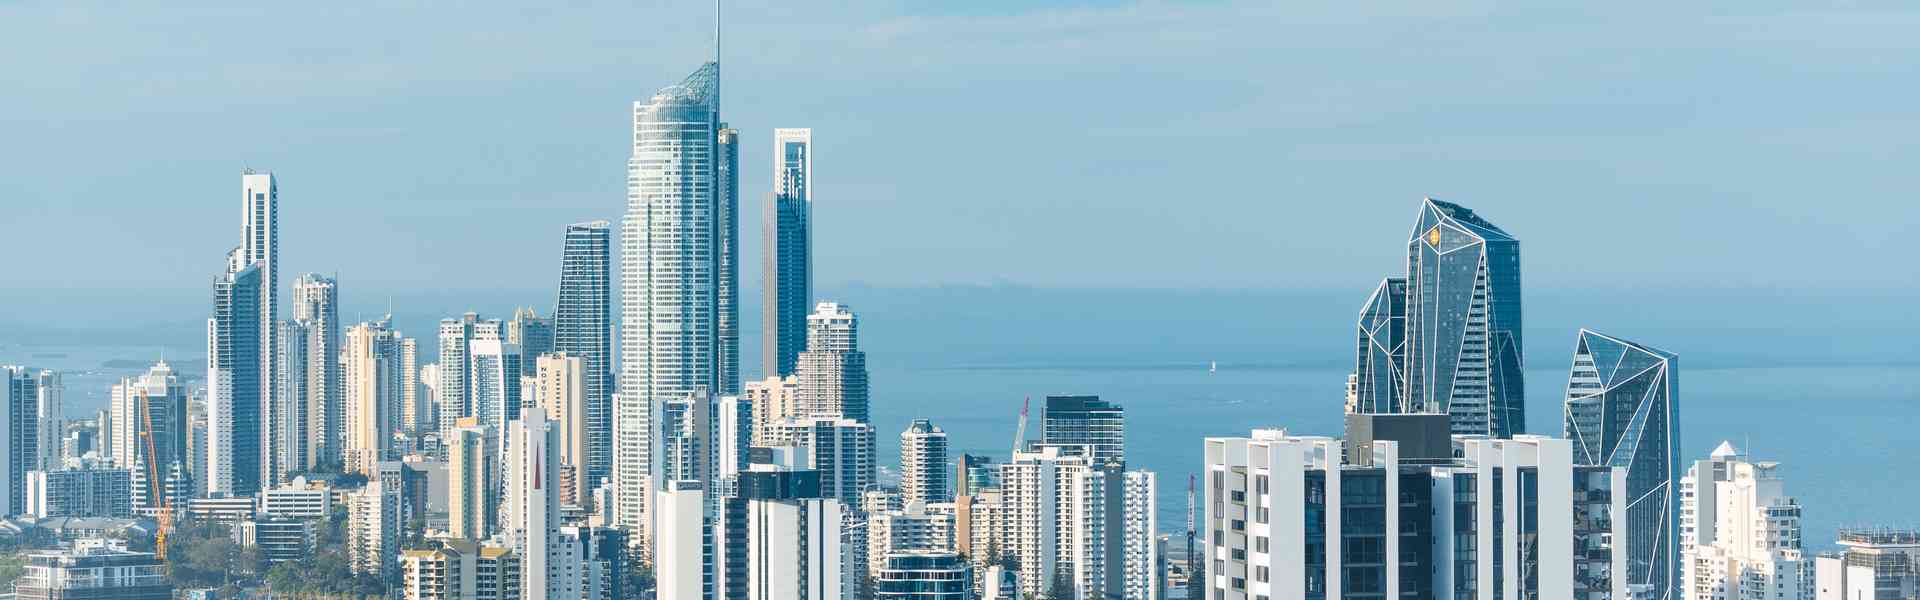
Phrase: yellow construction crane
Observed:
(155, 495)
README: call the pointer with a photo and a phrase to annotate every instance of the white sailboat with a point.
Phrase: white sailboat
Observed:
(1213, 366)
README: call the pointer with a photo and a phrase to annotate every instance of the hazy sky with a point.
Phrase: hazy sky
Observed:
(1219, 145)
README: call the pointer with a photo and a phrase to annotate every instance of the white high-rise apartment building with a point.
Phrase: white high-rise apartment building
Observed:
(914, 528)
(316, 301)
(678, 270)
(493, 379)
(559, 388)
(841, 449)
(238, 372)
(373, 527)
(1061, 518)
(1286, 517)
(373, 366)
(454, 391)
(1140, 536)
(774, 399)
(530, 510)
(794, 538)
(1744, 542)
(924, 471)
(678, 539)
(52, 409)
(832, 370)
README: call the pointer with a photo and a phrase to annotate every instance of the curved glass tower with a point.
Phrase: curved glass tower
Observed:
(1623, 411)
(676, 326)
(1463, 322)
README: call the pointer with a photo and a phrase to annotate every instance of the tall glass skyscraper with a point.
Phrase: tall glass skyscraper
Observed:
(260, 246)
(1463, 322)
(1380, 363)
(1623, 411)
(787, 263)
(583, 327)
(678, 314)
(234, 374)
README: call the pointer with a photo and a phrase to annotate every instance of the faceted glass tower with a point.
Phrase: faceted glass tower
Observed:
(1463, 322)
(787, 266)
(1623, 411)
(583, 327)
(1380, 364)
(678, 327)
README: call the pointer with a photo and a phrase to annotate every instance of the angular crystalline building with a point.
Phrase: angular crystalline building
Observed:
(1381, 356)
(1463, 322)
(1623, 411)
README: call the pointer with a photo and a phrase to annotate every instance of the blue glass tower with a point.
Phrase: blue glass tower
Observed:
(1623, 411)
(1381, 357)
(1463, 322)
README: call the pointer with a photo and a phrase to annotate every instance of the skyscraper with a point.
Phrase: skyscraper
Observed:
(234, 400)
(1380, 363)
(532, 333)
(1463, 322)
(50, 405)
(559, 390)
(288, 451)
(19, 425)
(1744, 539)
(157, 397)
(472, 474)
(1097, 425)
(923, 464)
(316, 302)
(494, 382)
(260, 245)
(374, 384)
(675, 271)
(455, 391)
(787, 263)
(531, 507)
(833, 371)
(1622, 411)
(840, 449)
(583, 327)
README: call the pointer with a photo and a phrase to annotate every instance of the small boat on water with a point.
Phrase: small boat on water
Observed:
(1213, 366)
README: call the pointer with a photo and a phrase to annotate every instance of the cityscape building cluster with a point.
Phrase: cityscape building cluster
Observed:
(529, 459)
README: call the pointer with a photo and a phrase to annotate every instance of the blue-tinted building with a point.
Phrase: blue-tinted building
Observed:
(1381, 357)
(583, 327)
(1622, 411)
(924, 576)
(787, 268)
(1463, 322)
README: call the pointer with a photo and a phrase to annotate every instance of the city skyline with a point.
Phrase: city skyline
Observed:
(609, 451)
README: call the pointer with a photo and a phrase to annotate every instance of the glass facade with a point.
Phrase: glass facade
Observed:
(234, 433)
(787, 268)
(1087, 421)
(925, 576)
(1380, 363)
(583, 327)
(678, 330)
(1463, 322)
(1622, 411)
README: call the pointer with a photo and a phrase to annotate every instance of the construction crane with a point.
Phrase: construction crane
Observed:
(1020, 435)
(155, 497)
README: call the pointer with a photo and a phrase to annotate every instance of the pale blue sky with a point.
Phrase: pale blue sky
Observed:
(1218, 145)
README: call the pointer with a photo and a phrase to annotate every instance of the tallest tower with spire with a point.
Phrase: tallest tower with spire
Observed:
(679, 309)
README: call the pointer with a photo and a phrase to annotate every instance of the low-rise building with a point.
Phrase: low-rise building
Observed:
(94, 569)
(461, 569)
(279, 539)
(80, 493)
